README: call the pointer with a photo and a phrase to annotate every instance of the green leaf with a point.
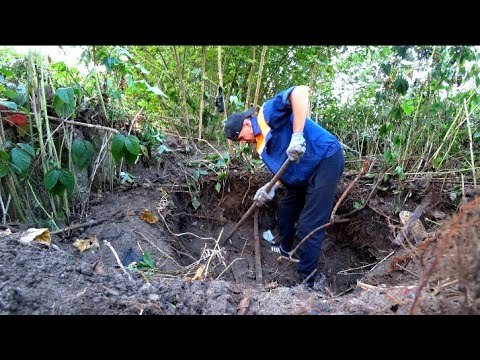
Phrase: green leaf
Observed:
(156, 90)
(9, 93)
(357, 205)
(6, 72)
(3, 170)
(77, 90)
(196, 174)
(436, 108)
(15, 168)
(437, 162)
(407, 107)
(59, 67)
(126, 177)
(142, 69)
(398, 140)
(50, 179)
(64, 101)
(212, 156)
(399, 171)
(67, 179)
(21, 99)
(4, 155)
(21, 159)
(388, 156)
(118, 146)
(220, 164)
(401, 85)
(110, 63)
(27, 148)
(387, 68)
(196, 203)
(66, 95)
(58, 180)
(8, 104)
(142, 86)
(130, 158)
(82, 153)
(3, 163)
(401, 51)
(396, 113)
(132, 144)
(144, 150)
(386, 111)
(218, 187)
(58, 189)
(385, 129)
(147, 259)
(123, 51)
(474, 100)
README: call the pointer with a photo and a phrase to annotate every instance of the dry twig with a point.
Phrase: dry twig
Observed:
(161, 251)
(106, 242)
(182, 234)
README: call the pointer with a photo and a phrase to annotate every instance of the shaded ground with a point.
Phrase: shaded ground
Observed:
(192, 276)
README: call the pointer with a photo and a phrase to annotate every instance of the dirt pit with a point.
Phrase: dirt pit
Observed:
(342, 252)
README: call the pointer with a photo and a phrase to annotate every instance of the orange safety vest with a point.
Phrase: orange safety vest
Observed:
(265, 129)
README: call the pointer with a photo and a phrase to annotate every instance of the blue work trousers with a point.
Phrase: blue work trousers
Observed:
(309, 205)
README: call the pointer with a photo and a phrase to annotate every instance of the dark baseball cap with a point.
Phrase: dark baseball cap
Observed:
(233, 125)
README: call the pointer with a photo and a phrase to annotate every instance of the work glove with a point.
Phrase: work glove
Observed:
(261, 196)
(297, 147)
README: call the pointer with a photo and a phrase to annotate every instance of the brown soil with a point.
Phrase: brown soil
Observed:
(356, 256)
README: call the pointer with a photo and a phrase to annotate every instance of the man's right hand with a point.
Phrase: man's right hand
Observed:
(261, 196)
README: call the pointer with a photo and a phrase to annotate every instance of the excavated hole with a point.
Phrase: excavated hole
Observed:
(347, 246)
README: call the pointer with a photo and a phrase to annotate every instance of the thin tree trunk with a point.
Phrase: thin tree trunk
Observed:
(220, 80)
(258, 255)
(259, 78)
(313, 78)
(235, 73)
(202, 91)
(250, 76)
(184, 96)
(212, 89)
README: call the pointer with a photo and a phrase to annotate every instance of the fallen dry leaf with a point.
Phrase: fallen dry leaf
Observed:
(243, 305)
(97, 267)
(271, 286)
(418, 230)
(85, 244)
(39, 235)
(5, 232)
(199, 272)
(148, 217)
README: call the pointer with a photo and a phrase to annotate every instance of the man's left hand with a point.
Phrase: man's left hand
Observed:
(297, 147)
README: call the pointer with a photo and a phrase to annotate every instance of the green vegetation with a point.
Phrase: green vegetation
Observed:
(413, 108)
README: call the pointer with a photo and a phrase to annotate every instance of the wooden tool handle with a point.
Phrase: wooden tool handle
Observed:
(252, 208)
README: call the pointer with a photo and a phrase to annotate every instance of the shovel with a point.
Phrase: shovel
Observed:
(253, 207)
